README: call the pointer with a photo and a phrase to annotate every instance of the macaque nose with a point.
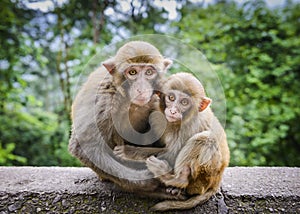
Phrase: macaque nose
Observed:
(173, 111)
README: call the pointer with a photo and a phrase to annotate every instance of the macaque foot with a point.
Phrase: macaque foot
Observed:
(175, 191)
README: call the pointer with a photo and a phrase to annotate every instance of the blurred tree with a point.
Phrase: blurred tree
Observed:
(11, 49)
(26, 131)
(254, 49)
(11, 83)
(257, 50)
(47, 51)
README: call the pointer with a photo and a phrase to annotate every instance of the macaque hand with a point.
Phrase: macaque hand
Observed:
(119, 151)
(155, 98)
(158, 167)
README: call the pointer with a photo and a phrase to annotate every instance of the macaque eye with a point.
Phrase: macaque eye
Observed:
(149, 72)
(132, 72)
(171, 97)
(184, 102)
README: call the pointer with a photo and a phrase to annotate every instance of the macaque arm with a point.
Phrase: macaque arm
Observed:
(136, 153)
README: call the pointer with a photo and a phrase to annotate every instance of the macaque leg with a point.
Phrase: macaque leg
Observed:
(201, 151)
(136, 153)
(187, 163)
(202, 155)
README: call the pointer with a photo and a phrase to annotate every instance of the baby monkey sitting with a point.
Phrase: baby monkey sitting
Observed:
(196, 150)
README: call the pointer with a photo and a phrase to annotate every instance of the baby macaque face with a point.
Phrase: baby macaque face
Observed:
(177, 104)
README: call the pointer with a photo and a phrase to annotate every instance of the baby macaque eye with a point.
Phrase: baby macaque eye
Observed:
(171, 97)
(149, 72)
(132, 72)
(184, 102)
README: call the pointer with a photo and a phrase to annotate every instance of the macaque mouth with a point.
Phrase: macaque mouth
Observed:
(142, 96)
(172, 119)
(140, 100)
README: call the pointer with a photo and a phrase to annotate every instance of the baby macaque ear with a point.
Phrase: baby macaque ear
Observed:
(158, 93)
(167, 63)
(205, 102)
(109, 65)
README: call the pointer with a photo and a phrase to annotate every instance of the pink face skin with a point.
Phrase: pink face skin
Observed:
(177, 103)
(141, 78)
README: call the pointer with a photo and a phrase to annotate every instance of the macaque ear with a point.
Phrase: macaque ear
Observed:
(158, 93)
(205, 102)
(109, 65)
(167, 63)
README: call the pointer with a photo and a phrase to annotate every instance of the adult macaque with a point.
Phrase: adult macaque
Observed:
(113, 107)
(196, 144)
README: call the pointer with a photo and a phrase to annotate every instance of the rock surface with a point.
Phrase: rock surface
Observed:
(78, 190)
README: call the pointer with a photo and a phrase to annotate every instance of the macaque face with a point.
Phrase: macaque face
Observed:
(177, 104)
(141, 80)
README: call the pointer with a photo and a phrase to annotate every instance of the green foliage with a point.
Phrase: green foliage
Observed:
(7, 157)
(258, 52)
(254, 49)
(33, 138)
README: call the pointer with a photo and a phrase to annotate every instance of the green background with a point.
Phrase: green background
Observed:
(253, 47)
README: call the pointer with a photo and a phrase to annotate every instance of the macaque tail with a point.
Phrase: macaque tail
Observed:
(183, 205)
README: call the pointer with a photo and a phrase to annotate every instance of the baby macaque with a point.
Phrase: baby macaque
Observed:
(195, 144)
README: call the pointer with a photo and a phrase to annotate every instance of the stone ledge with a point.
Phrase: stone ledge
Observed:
(77, 190)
